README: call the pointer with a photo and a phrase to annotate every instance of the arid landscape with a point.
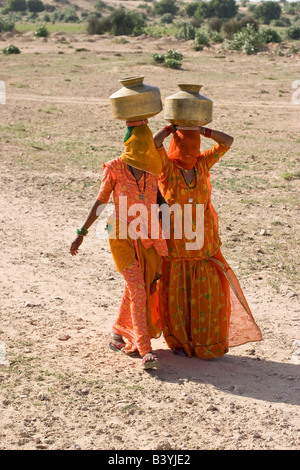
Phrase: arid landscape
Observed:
(61, 387)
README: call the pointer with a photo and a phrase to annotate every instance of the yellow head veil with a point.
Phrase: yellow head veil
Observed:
(140, 151)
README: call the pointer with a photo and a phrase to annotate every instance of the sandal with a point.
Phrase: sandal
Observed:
(150, 360)
(120, 346)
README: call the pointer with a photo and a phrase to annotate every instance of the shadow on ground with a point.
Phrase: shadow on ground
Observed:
(237, 375)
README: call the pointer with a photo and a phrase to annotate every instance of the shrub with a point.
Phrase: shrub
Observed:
(200, 40)
(172, 63)
(127, 23)
(224, 8)
(118, 23)
(190, 8)
(246, 40)
(248, 19)
(204, 10)
(167, 18)
(171, 59)
(284, 21)
(216, 37)
(68, 15)
(49, 7)
(218, 8)
(99, 4)
(165, 6)
(230, 27)
(215, 24)
(16, 5)
(158, 58)
(6, 24)
(11, 49)
(292, 8)
(97, 26)
(270, 35)
(35, 5)
(267, 11)
(186, 31)
(293, 32)
(41, 31)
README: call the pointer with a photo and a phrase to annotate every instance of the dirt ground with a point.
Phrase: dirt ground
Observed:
(61, 388)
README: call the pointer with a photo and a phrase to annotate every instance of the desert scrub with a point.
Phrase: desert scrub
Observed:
(120, 22)
(6, 24)
(171, 59)
(186, 31)
(41, 31)
(270, 35)
(293, 32)
(201, 39)
(247, 40)
(11, 49)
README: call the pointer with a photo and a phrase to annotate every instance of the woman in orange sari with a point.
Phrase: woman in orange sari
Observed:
(132, 180)
(202, 307)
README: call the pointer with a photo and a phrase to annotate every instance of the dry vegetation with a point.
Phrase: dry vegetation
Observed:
(63, 388)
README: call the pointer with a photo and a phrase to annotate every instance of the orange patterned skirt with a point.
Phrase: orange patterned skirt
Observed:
(202, 307)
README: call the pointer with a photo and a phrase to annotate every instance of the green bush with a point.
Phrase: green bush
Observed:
(190, 8)
(186, 31)
(267, 11)
(49, 7)
(248, 19)
(158, 58)
(293, 32)
(96, 25)
(119, 22)
(41, 31)
(292, 8)
(165, 6)
(283, 22)
(247, 40)
(270, 35)
(204, 10)
(216, 37)
(171, 59)
(201, 39)
(35, 6)
(16, 5)
(68, 15)
(167, 18)
(230, 27)
(217, 8)
(6, 24)
(215, 24)
(11, 49)
(224, 8)
(126, 23)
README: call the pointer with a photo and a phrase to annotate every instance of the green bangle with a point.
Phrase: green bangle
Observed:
(82, 232)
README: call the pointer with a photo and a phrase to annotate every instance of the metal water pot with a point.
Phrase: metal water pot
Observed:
(188, 107)
(135, 100)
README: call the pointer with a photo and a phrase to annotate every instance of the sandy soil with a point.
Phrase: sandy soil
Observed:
(60, 385)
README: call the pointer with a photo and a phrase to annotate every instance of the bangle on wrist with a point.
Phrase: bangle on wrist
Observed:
(167, 128)
(82, 232)
(207, 132)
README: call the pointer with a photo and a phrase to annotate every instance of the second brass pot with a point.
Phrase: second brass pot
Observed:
(188, 107)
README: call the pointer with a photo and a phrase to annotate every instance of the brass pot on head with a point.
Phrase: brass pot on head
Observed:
(188, 107)
(135, 101)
